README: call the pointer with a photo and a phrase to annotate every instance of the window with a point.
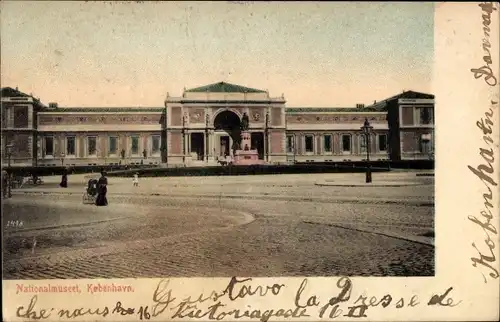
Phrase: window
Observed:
(327, 143)
(92, 145)
(309, 143)
(407, 115)
(346, 143)
(21, 117)
(155, 148)
(4, 118)
(382, 142)
(425, 143)
(70, 145)
(362, 143)
(113, 145)
(289, 143)
(49, 145)
(424, 115)
(135, 145)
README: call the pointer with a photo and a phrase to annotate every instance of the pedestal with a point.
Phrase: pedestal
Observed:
(246, 156)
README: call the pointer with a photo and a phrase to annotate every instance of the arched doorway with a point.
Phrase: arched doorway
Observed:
(229, 123)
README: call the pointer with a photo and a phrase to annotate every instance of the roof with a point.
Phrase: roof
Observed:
(105, 109)
(223, 87)
(11, 92)
(405, 94)
(329, 109)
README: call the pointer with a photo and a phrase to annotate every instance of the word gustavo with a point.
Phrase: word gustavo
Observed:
(109, 288)
(487, 9)
(49, 288)
(486, 173)
(236, 289)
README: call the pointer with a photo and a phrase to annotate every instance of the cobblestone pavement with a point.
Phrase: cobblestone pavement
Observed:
(159, 230)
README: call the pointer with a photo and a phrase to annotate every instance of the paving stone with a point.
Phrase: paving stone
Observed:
(179, 233)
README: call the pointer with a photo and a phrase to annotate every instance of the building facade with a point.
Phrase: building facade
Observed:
(203, 124)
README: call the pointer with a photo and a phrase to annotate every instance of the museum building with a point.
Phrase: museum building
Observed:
(204, 124)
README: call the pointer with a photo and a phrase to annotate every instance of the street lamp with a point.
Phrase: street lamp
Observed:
(367, 129)
(267, 137)
(207, 122)
(184, 140)
(62, 158)
(9, 155)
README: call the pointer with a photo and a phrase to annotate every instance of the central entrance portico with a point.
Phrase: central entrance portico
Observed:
(205, 123)
(227, 128)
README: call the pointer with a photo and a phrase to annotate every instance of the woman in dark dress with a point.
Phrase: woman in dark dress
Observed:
(102, 190)
(64, 179)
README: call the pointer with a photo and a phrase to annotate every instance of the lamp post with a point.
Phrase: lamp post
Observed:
(367, 129)
(62, 159)
(207, 120)
(184, 140)
(9, 175)
(267, 137)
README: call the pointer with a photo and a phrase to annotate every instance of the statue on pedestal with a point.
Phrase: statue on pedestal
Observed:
(244, 122)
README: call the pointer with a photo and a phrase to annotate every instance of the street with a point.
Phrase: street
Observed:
(275, 225)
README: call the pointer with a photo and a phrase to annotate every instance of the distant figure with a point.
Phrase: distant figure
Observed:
(102, 190)
(5, 183)
(136, 179)
(64, 179)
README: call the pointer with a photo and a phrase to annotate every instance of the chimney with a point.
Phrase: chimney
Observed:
(53, 105)
(360, 105)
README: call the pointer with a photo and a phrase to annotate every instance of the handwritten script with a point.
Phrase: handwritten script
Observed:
(487, 8)
(214, 305)
(485, 171)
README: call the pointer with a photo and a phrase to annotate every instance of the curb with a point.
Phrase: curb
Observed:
(396, 236)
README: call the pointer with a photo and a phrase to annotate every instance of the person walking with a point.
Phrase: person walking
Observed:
(64, 179)
(136, 179)
(102, 190)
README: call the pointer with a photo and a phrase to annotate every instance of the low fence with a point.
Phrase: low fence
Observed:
(156, 170)
(59, 170)
(402, 164)
(245, 170)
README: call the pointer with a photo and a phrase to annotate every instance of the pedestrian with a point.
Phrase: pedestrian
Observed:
(102, 190)
(136, 179)
(64, 179)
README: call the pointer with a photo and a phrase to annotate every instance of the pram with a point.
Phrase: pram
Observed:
(90, 194)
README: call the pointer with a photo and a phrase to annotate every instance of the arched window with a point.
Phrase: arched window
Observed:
(227, 120)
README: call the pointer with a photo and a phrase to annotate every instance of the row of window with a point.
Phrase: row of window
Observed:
(328, 143)
(417, 116)
(20, 116)
(70, 148)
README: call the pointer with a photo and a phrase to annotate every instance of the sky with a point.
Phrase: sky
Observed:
(130, 54)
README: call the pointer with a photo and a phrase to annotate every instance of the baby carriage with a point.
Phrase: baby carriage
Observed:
(90, 194)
